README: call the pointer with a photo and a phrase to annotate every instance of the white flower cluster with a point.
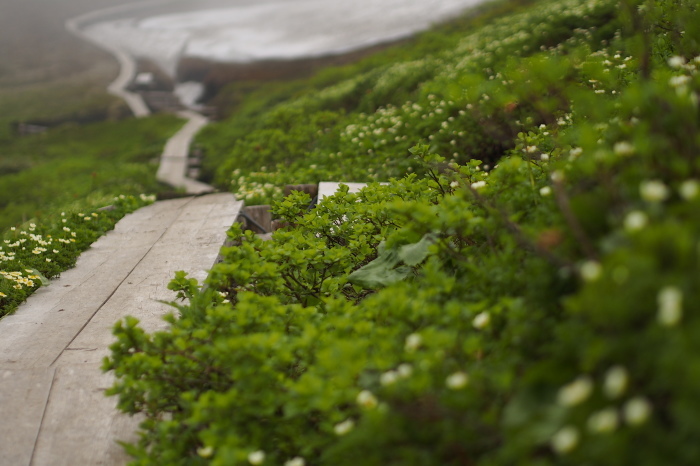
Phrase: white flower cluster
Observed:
(19, 279)
(634, 412)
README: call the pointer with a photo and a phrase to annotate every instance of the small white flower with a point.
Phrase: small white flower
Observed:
(616, 381)
(405, 370)
(296, 461)
(676, 62)
(367, 400)
(546, 191)
(575, 152)
(256, 457)
(670, 301)
(557, 176)
(636, 411)
(544, 157)
(482, 320)
(679, 81)
(344, 427)
(565, 440)
(479, 184)
(575, 392)
(635, 220)
(531, 149)
(689, 189)
(591, 271)
(457, 381)
(603, 421)
(623, 149)
(454, 185)
(653, 191)
(207, 452)
(413, 342)
(388, 378)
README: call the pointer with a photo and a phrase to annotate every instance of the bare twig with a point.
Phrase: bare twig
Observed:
(571, 220)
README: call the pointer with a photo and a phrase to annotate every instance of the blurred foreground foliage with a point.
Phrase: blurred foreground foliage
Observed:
(523, 291)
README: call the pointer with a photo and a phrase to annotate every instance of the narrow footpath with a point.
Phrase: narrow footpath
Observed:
(53, 410)
(173, 161)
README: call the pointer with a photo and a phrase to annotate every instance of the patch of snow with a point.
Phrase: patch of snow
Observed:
(238, 31)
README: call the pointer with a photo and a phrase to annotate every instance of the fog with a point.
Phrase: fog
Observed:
(34, 44)
(244, 30)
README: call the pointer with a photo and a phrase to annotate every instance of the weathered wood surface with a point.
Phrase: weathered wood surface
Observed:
(23, 397)
(52, 405)
(261, 215)
(310, 189)
(328, 188)
(174, 159)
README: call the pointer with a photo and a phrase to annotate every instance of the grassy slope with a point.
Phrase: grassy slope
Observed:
(538, 306)
(277, 132)
(50, 77)
(43, 172)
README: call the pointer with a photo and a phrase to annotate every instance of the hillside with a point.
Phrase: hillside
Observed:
(53, 80)
(523, 291)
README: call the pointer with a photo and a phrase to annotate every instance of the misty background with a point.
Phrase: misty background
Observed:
(35, 46)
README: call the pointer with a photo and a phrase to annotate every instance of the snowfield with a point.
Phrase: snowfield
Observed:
(243, 31)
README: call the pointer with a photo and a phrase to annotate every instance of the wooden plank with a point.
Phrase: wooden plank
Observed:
(23, 397)
(41, 329)
(328, 188)
(173, 162)
(69, 421)
(261, 215)
(310, 189)
(36, 337)
(143, 292)
(140, 296)
(81, 425)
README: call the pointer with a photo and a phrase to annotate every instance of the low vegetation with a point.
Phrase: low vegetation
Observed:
(52, 184)
(523, 291)
(33, 253)
(108, 158)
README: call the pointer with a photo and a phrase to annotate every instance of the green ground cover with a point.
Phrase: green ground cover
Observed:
(33, 253)
(524, 291)
(41, 173)
(75, 170)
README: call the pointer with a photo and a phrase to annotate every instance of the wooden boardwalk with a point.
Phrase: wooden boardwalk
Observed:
(173, 161)
(52, 405)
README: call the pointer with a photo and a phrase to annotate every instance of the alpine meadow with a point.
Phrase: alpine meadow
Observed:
(517, 284)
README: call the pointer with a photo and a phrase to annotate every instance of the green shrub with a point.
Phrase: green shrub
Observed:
(536, 309)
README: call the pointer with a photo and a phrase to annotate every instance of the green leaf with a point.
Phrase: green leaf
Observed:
(414, 254)
(383, 271)
(44, 281)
